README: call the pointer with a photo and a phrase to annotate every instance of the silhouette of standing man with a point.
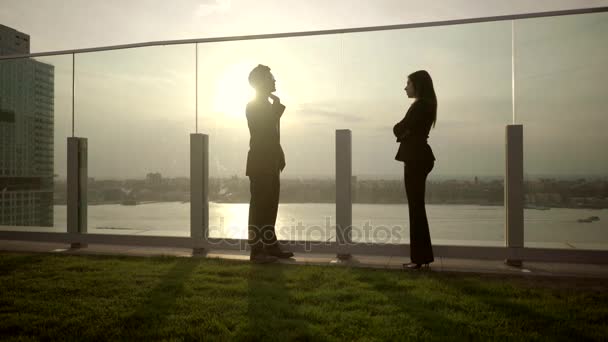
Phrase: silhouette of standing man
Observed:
(265, 161)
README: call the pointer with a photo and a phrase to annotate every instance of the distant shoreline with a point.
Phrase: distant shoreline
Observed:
(530, 207)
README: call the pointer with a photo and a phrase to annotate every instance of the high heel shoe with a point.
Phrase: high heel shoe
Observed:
(414, 266)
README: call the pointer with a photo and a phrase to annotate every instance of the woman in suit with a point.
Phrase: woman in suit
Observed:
(418, 160)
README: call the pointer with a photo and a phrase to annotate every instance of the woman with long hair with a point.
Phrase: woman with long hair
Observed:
(418, 160)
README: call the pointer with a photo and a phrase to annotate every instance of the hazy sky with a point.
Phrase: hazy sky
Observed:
(137, 106)
(70, 24)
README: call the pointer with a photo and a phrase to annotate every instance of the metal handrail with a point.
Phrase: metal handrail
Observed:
(318, 33)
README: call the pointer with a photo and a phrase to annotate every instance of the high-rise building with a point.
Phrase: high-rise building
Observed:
(13, 42)
(26, 136)
(154, 179)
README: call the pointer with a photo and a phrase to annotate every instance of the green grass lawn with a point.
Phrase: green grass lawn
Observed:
(67, 297)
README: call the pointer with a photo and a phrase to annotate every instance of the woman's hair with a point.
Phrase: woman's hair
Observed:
(423, 85)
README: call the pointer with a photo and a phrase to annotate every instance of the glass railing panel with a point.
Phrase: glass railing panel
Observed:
(471, 70)
(561, 76)
(306, 70)
(136, 107)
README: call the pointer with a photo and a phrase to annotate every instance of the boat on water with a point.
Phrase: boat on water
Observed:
(588, 219)
(537, 207)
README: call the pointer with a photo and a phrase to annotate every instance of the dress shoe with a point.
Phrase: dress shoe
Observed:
(414, 266)
(262, 258)
(277, 252)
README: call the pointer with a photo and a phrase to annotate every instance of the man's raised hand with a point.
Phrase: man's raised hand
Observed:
(275, 99)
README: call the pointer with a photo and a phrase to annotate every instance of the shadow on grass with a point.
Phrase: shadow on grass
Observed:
(425, 317)
(523, 320)
(159, 303)
(10, 263)
(271, 313)
(467, 309)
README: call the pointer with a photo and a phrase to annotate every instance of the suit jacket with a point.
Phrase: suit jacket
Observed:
(412, 133)
(265, 154)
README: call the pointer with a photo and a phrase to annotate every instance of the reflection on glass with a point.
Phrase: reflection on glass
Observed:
(561, 101)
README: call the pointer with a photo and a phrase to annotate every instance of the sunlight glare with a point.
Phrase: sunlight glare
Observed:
(233, 90)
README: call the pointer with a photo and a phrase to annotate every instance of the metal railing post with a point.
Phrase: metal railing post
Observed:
(77, 188)
(514, 190)
(343, 192)
(199, 190)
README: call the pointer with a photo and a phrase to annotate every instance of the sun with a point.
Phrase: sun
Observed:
(233, 91)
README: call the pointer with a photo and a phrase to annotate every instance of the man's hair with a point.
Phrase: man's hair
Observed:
(258, 74)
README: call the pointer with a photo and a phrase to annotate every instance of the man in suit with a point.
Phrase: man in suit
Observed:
(265, 161)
